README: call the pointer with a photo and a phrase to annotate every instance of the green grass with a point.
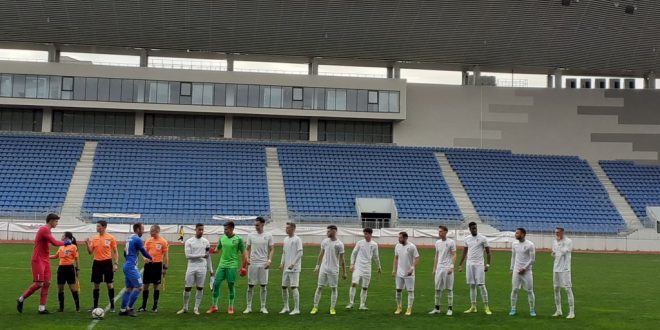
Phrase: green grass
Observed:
(612, 291)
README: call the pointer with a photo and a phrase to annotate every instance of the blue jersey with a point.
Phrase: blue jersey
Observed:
(134, 246)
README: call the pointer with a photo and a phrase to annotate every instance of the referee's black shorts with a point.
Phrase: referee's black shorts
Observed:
(102, 271)
(153, 272)
(66, 275)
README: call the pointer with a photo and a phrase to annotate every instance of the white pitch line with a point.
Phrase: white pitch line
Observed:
(107, 308)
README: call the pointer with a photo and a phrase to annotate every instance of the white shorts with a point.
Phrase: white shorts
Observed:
(407, 283)
(475, 274)
(562, 279)
(257, 275)
(444, 280)
(290, 279)
(357, 276)
(525, 281)
(328, 279)
(195, 277)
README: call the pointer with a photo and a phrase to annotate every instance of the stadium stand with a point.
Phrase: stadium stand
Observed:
(639, 184)
(178, 182)
(324, 180)
(36, 172)
(536, 192)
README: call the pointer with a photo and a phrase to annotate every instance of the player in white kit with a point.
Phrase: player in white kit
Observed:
(364, 252)
(475, 245)
(260, 249)
(327, 266)
(406, 258)
(199, 262)
(292, 252)
(561, 251)
(523, 255)
(443, 269)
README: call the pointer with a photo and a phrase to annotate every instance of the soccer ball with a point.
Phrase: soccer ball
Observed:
(98, 313)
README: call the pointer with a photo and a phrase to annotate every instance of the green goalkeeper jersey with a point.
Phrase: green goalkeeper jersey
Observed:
(232, 249)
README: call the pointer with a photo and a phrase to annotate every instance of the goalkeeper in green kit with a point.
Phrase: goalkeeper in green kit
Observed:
(232, 249)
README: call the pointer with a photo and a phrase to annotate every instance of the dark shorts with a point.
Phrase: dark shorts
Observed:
(102, 271)
(66, 275)
(153, 272)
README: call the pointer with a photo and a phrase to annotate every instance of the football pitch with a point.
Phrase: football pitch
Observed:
(613, 291)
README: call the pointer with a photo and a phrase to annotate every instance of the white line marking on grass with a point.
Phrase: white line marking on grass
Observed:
(107, 308)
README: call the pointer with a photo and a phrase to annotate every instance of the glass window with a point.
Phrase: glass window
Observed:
(208, 94)
(197, 94)
(67, 84)
(351, 100)
(175, 92)
(362, 98)
(103, 89)
(31, 86)
(184, 125)
(275, 97)
(264, 101)
(231, 95)
(287, 97)
(18, 89)
(330, 99)
(115, 90)
(319, 99)
(383, 101)
(79, 88)
(138, 91)
(394, 102)
(151, 91)
(91, 89)
(340, 100)
(163, 92)
(355, 131)
(297, 93)
(253, 96)
(42, 87)
(127, 90)
(373, 97)
(242, 96)
(219, 94)
(20, 119)
(308, 98)
(186, 89)
(5, 85)
(55, 87)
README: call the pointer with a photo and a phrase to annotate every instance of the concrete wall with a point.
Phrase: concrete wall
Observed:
(594, 124)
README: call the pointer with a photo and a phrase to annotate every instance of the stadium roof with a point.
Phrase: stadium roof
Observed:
(589, 36)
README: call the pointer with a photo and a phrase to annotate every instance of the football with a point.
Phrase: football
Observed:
(98, 313)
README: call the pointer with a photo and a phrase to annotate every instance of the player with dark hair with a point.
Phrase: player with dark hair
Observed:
(41, 263)
(106, 262)
(132, 276)
(233, 249)
(68, 270)
(154, 271)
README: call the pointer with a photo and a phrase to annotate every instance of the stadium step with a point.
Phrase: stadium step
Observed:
(78, 186)
(276, 193)
(625, 210)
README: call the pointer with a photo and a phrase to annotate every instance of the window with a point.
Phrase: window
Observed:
(5, 85)
(115, 90)
(253, 96)
(95, 122)
(79, 88)
(163, 92)
(184, 125)
(104, 89)
(175, 92)
(91, 89)
(297, 93)
(18, 89)
(271, 128)
(43, 88)
(208, 94)
(138, 91)
(127, 90)
(55, 87)
(275, 97)
(31, 86)
(242, 96)
(373, 97)
(186, 89)
(20, 119)
(230, 95)
(220, 96)
(197, 94)
(354, 131)
(330, 99)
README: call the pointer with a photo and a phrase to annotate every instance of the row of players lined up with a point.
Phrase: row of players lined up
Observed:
(254, 257)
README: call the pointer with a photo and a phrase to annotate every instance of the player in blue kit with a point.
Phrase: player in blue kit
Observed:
(132, 275)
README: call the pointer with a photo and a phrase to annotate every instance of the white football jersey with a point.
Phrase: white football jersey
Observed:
(445, 250)
(406, 254)
(561, 250)
(362, 255)
(260, 245)
(292, 251)
(332, 252)
(196, 249)
(476, 246)
(523, 255)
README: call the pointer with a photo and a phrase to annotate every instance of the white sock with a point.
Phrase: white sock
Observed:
(296, 299)
(531, 298)
(198, 298)
(262, 296)
(42, 308)
(363, 297)
(473, 294)
(250, 293)
(399, 297)
(351, 295)
(333, 297)
(438, 296)
(186, 299)
(484, 294)
(571, 300)
(450, 298)
(285, 298)
(21, 299)
(514, 298)
(558, 298)
(317, 297)
(411, 298)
